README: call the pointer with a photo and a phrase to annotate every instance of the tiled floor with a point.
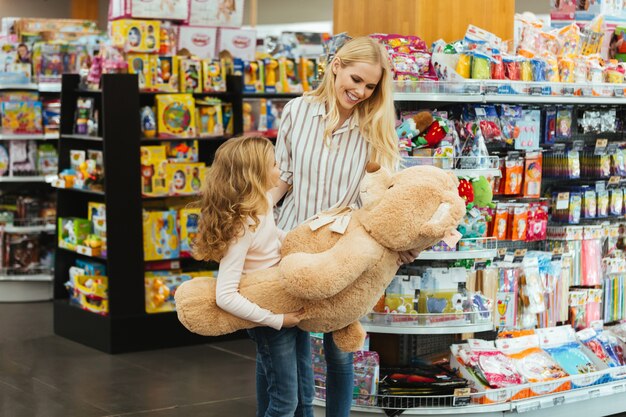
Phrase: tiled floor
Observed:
(45, 375)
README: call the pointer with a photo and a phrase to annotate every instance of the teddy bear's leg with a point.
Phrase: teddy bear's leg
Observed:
(350, 338)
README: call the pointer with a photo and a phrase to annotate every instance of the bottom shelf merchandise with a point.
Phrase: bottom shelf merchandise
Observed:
(88, 286)
(160, 288)
(519, 368)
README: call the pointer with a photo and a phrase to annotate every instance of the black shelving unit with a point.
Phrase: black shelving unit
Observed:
(127, 327)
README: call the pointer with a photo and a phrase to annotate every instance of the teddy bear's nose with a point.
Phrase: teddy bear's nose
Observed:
(372, 167)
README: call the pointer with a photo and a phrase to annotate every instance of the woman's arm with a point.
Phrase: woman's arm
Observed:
(227, 294)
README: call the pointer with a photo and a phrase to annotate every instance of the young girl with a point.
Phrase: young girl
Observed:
(237, 229)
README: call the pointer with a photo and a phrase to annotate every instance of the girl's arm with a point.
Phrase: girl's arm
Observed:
(227, 294)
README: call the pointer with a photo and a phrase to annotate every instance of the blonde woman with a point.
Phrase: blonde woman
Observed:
(237, 229)
(324, 142)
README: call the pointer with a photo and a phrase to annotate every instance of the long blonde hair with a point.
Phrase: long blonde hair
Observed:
(376, 115)
(234, 192)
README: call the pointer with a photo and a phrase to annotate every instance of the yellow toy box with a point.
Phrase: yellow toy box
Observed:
(209, 117)
(190, 75)
(185, 178)
(144, 65)
(153, 178)
(136, 35)
(160, 235)
(96, 213)
(176, 115)
(212, 78)
(166, 77)
(188, 219)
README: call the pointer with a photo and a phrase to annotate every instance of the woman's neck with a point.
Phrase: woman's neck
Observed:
(343, 116)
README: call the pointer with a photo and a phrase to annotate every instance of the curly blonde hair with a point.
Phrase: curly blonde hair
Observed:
(376, 114)
(234, 192)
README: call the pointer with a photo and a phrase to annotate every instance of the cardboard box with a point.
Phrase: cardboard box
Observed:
(136, 35)
(240, 42)
(149, 9)
(200, 41)
(221, 13)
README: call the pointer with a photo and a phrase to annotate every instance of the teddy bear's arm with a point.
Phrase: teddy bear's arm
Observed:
(322, 275)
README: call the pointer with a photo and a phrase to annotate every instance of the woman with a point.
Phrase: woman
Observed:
(324, 142)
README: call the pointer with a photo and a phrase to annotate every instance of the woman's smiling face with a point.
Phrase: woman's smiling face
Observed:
(355, 83)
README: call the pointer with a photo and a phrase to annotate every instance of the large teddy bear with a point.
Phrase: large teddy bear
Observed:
(338, 277)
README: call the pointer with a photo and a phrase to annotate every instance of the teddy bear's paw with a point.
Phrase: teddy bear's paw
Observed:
(351, 338)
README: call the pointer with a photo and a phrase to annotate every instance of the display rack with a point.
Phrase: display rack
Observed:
(127, 327)
(28, 285)
(599, 400)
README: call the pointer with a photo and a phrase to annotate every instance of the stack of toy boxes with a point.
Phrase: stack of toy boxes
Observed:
(165, 55)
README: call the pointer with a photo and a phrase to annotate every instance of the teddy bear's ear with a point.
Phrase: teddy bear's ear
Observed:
(372, 167)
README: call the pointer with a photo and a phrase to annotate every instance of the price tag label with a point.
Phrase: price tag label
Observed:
(601, 145)
(557, 254)
(568, 91)
(562, 201)
(578, 145)
(480, 265)
(594, 393)
(518, 257)
(501, 255)
(600, 186)
(535, 91)
(559, 400)
(461, 397)
(614, 181)
(619, 92)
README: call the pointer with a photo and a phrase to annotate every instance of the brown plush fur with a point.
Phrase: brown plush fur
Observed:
(336, 278)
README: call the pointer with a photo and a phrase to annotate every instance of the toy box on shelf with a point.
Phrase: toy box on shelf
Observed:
(86, 171)
(199, 41)
(160, 287)
(176, 115)
(223, 13)
(160, 235)
(88, 286)
(141, 9)
(136, 35)
(240, 42)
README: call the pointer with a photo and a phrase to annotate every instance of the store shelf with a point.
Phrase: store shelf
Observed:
(465, 254)
(198, 138)
(271, 95)
(16, 86)
(426, 330)
(541, 99)
(24, 136)
(49, 87)
(36, 178)
(46, 228)
(481, 165)
(102, 258)
(28, 278)
(164, 197)
(444, 98)
(83, 137)
(81, 190)
(594, 400)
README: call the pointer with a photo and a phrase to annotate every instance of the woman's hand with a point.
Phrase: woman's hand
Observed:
(407, 256)
(292, 319)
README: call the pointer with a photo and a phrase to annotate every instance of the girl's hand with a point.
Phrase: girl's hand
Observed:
(407, 256)
(292, 319)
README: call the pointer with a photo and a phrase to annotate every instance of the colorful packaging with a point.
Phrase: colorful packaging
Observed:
(185, 178)
(190, 75)
(189, 218)
(240, 42)
(153, 176)
(532, 175)
(136, 35)
(176, 115)
(160, 235)
(514, 172)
